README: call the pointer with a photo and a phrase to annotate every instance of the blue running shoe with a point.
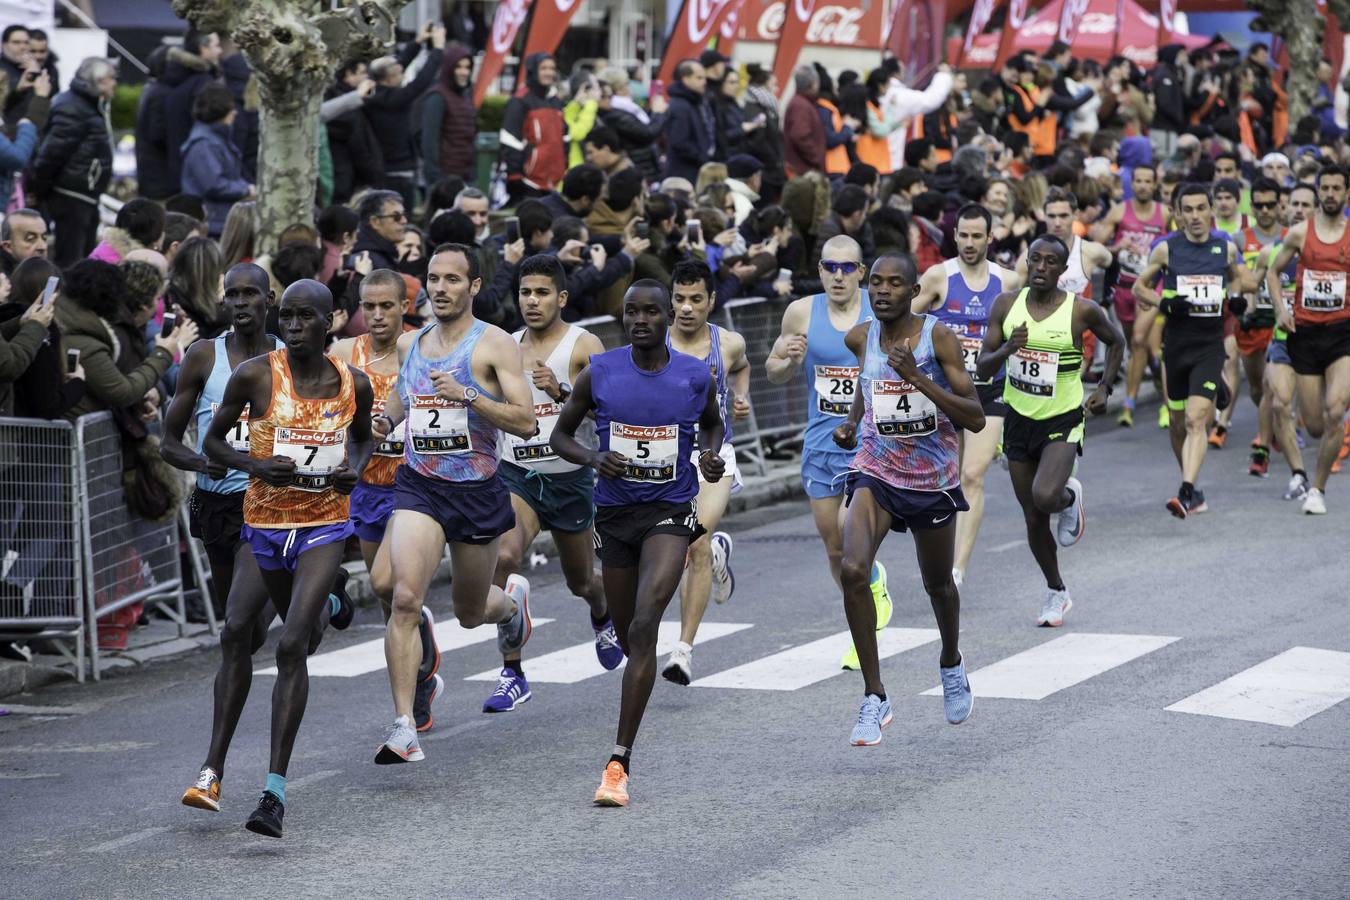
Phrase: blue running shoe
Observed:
(957, 698)
(874, 715)
(607, 648)
(512, 690)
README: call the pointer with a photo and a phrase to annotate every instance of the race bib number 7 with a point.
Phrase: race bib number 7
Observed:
(899, 409)
(316, 454)
(1205, 293)
(1323, 291)
(834, 389)
(651, 451)
(438, 426)
(1034, 371)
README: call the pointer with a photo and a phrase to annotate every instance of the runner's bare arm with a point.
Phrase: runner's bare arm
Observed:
(846, 433)
(360, 440)
(995, 350)
(931, 289)
(501, 357)
(1144, 295)
(586, 346)
(191, 382)
(1099, 255)
(1012, 280)
(738, 367)
(1092, 317)
(711, 434)
(1241, 277)
(251, 386)
(342, 349)
(961, 404)
(790, 347)
(1105, 231)
(564, 441)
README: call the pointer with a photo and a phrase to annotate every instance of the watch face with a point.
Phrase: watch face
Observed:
(470, 395)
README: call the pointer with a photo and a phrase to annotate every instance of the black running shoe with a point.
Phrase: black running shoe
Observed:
(346, 608)
(266, 819)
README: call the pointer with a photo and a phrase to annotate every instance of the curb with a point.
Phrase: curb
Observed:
(20, 677)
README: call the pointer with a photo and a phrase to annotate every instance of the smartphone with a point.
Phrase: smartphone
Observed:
(512, 230)
(657, 87)
(72, 361)
(584, 254)
(169, 324)
(49, 292)
(695, 230)
(642, 230)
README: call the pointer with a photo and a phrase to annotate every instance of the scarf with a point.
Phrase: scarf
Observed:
(627, 104)
(763, 96)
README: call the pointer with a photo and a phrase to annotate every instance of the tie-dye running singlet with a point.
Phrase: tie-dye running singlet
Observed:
(445, 439)
(905, 440)
(313, 433)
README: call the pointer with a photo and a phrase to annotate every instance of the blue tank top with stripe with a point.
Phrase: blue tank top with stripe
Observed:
(443, 438)
(966, 312)
(831, 370)
(717, 370)
(212, 393)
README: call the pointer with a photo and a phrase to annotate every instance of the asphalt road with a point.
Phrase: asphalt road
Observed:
(1096, 789)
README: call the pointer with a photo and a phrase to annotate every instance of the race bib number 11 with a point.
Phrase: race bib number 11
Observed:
(1205, 293)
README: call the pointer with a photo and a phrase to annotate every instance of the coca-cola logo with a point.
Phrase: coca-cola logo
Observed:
(565, 6)
(1069, 17)
(701, 16)
(839, 25)
(1017, 13)
(979, 18)
(1167, 9)
(506, 22)
(730, 24)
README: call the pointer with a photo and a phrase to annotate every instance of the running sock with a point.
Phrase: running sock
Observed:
(621, 755)
(1054, 587)
(1129, 403)
(599, 624)
(1301, 472)
(277, 785)
(515, 666)
(880, 695)
(1187, 489)
(876, 573)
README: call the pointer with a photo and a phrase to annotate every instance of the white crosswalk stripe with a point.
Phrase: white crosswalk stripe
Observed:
(1055, 665)
(1284, 690)
(360, 659)
(804, 665)
(577, 663)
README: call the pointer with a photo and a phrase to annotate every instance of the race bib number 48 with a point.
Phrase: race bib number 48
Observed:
(1034, 371)
(389, 446)
(1205, 293)
(1323, 291)
(536, 448)
(899, 409)
(438, 426)
(834, 389)
(237, 436)
(651, 450)
(316, 455)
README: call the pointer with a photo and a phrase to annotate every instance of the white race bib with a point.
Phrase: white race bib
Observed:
(1323, 291)
(536, 448)
(438, 426)
(970, 351)
(389, 446)
(1205, 293)
(1131, 260)
(899, 409)
(237, 436)
(316, 455)
(1034, 371)
(834, 389)
(652, 451)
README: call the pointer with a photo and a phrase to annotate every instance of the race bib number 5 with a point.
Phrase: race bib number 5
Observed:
(536, 448)
(1205, 293)
(438, 426)
(1034, 371)
(834, 389)
(899, 409)
(389, 446)
(316, 455)
(1323, 291)
(237, 436)
(651, 451)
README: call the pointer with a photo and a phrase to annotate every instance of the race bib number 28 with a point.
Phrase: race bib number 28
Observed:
(834, 389)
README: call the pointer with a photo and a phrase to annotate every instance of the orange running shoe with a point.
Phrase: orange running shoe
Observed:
(613, 789)
(1218, 436)
(205, 794)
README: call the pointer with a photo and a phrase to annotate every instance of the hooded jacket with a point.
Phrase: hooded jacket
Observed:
(1169, 93)
(639, 138)
(75, 156)
(532, 135)
(449, 124)
(691, 133)
(389, 110)
(107, 387)
(214, 171)
(185, 74)
(805, 136)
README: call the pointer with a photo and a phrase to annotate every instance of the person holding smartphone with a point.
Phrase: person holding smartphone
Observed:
(34, 382)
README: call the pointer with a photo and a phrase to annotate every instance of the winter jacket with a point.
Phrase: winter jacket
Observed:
(532, 135)
(152, 150)
(449, 125)
(115, 246)
(639, 138)
(185, 74)
(730, 126)
(832, 227)
(214, 171)
(587, 285)
(75, 156)
(389, 111)
(579, 119)
(107, 387)
(41, 390)
(16, 101)
(691, 133)
(244, 133)
(14, 155)
(765, 144)
(838, 138)
(1169, 95)
(358, 161)
(805, 136)
(383, 254)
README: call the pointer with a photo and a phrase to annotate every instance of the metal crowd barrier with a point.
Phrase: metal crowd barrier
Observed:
(71, 553)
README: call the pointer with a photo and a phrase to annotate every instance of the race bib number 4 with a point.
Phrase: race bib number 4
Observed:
(237, 436)
(438, 426)
(899, 409)
(651, 451)
(388, 446)
(316, 455)
(1205, 293)
(1323, 291)
(834, 389)
(1034, 371)
(536, 448)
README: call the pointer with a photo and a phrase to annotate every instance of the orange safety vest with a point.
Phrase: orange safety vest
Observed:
(873, 150)
(836, 158)
(943, 151)
(1041, 132)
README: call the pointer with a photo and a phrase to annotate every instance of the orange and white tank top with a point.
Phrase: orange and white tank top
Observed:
(388, 453)
(311, 432)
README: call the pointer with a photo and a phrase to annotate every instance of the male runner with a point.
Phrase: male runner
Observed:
(383, 298)
(960, 293)
(1318, 323)
(708, 570)
(648, 402)
(812, 338)
(1038, 333)
(217, 510)
(1130, 228)
(912, 396)
(461, 381)
(309, 439)
(548, 492)
(1198, 266)
(1227, 199)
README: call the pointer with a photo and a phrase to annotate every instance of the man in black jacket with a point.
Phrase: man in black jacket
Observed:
(16, 64)
(186, 72)
(383, 219)
(358, 161)
(152, 153)
(73, 164)
(581, 189)
(389, 109)
(691, 127)
(590, 268)
(1169, 95)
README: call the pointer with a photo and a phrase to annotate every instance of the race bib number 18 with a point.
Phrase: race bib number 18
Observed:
(316, 455)
(899, 409)
(1323, 291)
(1034, 371)
(651, 450)
(438, 425)
(834, 389)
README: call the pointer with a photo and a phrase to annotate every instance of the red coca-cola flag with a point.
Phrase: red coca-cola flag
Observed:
(697, 22)
(796, 18)
(1120, 27)
(980, 14)
(916, 37)
(548, 25)
(510, 15)
(1017, 17)
(1070, 15)
(1167, 10)
(729, 30)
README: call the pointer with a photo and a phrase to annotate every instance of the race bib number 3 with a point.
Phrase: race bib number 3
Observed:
(1034, 371)
(438, 426)
(1205, 293)
(652, 451)
(237, 436)
(316, 455)
(899, 409)
(387, 447)
(536, 448)
(834, 389)
(1323, 291)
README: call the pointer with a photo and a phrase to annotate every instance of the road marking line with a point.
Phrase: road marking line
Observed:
(806, 664)
(368, 656)
(311, 778)
(73, 710)
(1055, 665)
(1284, 690)
(109, 747)
(127, 839)
(1004, 548)
(30, 777)
(577, 663)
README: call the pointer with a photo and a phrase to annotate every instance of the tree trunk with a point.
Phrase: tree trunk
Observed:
(288, 161)
(1303, 37)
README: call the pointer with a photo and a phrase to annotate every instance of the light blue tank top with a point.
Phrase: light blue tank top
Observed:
(213, 391)
(717, 370)
(441, 438)
(830, 369)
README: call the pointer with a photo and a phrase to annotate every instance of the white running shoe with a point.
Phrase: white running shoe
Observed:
(679, 668)
(1070, 522)
(723, 581)
(400, 744)
(1057, 603)
(1314, 504)
(1298, 488)
(958, 576)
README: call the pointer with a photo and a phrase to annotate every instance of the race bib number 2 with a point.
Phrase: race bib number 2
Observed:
(1034, 371)
(438, 426)
(1323, 291)
(652, 451)
(316, 454)
(834, 389)
(899, 409)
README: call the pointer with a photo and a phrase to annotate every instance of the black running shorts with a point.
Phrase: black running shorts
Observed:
(620, 530)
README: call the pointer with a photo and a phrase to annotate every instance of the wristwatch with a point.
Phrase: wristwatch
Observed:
(564, 391)
(470, 395)
(388, 419)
